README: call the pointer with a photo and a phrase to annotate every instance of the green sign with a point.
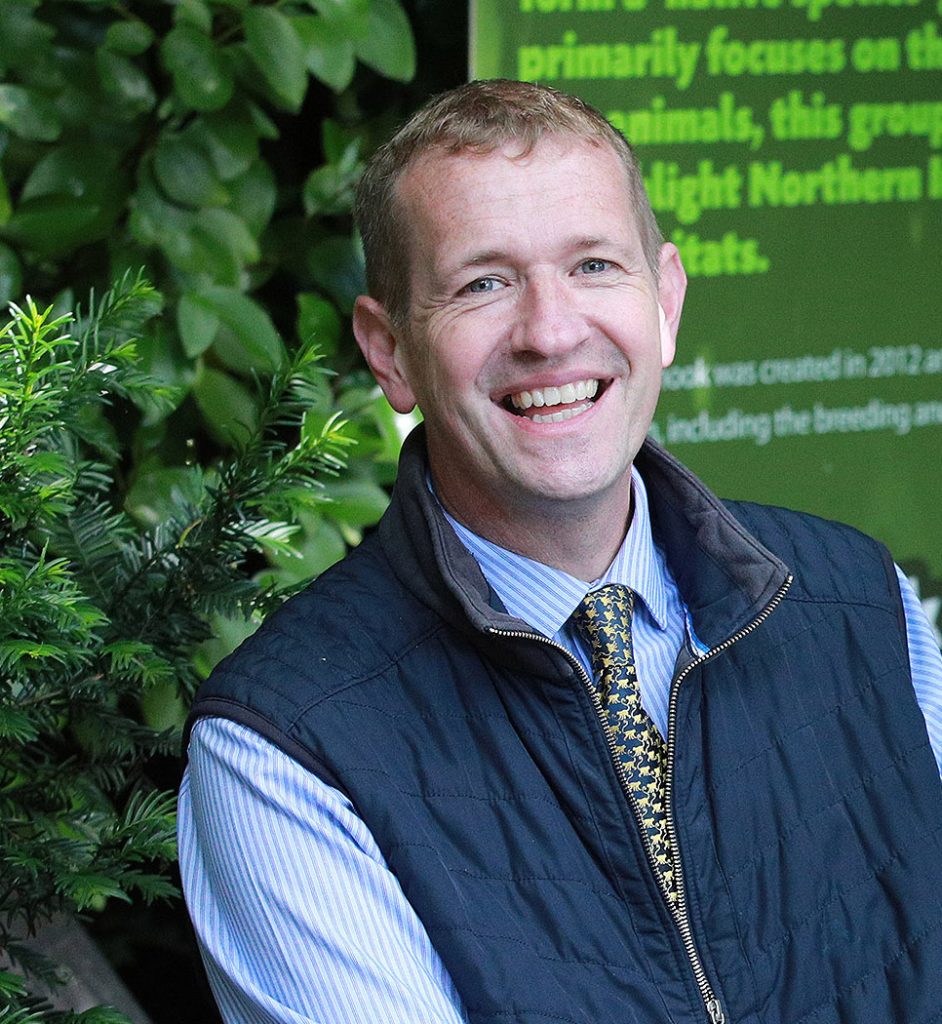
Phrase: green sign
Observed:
(792, 150)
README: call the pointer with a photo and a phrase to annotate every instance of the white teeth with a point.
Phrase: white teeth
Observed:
(563, 414)
(566, 394)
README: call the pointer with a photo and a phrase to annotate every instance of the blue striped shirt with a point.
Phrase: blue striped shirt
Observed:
(298, 918)
(546, 598)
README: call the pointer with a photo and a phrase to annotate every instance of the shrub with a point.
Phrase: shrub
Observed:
(100, 611)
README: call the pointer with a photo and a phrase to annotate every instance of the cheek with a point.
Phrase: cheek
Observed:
(460, 354)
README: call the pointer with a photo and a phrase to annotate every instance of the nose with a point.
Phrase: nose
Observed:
(549, 321)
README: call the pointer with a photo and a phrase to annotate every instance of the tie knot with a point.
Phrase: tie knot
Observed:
(604, 617)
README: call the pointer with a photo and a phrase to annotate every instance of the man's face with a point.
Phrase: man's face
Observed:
(533, 344)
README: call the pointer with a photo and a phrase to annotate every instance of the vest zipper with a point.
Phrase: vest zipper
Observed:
(714, 1009)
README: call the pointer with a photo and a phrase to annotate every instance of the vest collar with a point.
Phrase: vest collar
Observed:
(725, 575)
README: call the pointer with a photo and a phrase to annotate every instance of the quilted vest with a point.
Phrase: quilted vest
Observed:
(807, 802)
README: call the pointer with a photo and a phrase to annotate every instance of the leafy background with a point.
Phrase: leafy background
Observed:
(203, 407)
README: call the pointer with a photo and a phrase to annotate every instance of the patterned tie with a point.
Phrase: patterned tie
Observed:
(604, 616)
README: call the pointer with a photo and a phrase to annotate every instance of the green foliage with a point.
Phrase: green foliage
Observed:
(101, 609)
(216, 143)
(164, 479)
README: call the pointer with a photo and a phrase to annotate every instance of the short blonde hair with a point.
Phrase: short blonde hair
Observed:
(478, 117)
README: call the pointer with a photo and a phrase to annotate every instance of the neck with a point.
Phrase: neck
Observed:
(580, 538)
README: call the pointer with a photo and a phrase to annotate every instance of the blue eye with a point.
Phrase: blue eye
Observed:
(594, 266)
(482, 285)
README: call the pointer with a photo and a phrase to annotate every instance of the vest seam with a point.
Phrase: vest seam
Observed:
(621, 968)
(862, 783)
(843, 603)
(795, 926)
(839, 994)
(871, 685)
(436, 716)
(305, 708)
(499, 877)
(515, 1014)
(462, 795)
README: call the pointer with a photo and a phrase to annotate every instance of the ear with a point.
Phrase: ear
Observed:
(382, 347)
(671, 288)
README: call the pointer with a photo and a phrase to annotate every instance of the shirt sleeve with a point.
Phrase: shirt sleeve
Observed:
(925, 660)
(298, 918)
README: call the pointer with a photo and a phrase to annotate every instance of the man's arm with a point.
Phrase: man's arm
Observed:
(298, 918)
(926, 662)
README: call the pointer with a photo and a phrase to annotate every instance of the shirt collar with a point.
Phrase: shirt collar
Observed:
(546, 597)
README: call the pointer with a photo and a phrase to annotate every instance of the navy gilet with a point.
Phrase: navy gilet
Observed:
(807, 799)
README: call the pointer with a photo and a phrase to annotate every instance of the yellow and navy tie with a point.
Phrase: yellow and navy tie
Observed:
(604, 616)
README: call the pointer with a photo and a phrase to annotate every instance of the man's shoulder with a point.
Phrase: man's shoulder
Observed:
(830, 559)
(349, 624)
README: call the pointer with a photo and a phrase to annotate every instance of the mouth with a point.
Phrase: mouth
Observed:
(555, 404)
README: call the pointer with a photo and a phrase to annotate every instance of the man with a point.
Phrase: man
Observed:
(428, 788)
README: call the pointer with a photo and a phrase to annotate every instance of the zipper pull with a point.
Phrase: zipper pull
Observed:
(716, 1012)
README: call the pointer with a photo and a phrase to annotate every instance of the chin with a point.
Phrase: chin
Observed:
(575, 490)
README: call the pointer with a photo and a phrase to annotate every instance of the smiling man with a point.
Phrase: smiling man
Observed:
(534, 341)
(567, 738)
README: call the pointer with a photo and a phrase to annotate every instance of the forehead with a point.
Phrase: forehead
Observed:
(446, 197)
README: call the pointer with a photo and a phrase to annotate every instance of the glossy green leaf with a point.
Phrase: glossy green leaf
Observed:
(11, 275)
(201, 76)
(328, 50)
(336, 264)
(388, 46)
(154, 221)
(54, 225)
(186, 173)
(231, 140)
(318, 550)
(160, 492)
(330, 189)
(336, 139)
(196, 324)
(254, 195)
(131, 38)
(207, 246)
(6, 207)
(277, 52)
(352, 17)
(229, 409)
(195, 13)
(162, 357)
(355, 502)
(228, 633)
(28, 114)
(79, 169)
(250, 341)
(225, 228)
(162, 707)
(264, 125)
(24, 39)
(124, 81)
(318, 321)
